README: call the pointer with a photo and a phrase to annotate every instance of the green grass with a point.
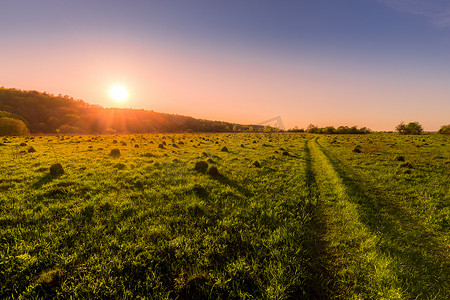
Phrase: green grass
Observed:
(322, 222)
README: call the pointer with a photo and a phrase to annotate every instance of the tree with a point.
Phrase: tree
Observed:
(328, 130)
(401, 128)
(312, 129)
(414, 128)
(296, 129)
(410, 128)
(67, 129)
(10, 126)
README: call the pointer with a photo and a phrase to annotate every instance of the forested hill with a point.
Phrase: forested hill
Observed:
(46, 113)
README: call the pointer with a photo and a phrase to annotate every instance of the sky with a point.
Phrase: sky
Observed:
(372, 63)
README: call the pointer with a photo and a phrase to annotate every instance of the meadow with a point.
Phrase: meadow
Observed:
(265, 216)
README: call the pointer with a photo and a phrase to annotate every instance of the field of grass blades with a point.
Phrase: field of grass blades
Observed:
(225, 216)
(148, 224)
(391, 253)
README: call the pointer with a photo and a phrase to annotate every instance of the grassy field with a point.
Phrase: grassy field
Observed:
(288, 216)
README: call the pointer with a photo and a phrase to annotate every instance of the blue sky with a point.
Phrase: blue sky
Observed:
(369, 63)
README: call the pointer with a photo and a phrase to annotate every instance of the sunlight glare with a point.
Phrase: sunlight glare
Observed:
(119, 93)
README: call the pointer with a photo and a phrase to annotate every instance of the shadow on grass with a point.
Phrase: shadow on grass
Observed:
(226, 181)
(423, 262)
(47, 178)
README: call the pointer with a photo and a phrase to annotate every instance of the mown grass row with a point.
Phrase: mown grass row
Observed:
(358, 269)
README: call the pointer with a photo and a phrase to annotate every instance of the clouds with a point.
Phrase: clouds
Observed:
(437, 11)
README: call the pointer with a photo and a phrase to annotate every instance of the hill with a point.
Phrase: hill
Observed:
(47, 113)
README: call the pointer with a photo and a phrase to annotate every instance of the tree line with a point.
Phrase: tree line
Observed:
(332, 130)
(36, 112)
(47, 113)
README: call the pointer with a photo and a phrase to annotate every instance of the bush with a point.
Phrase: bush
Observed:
(410, 128)
(445, 129)
(331, 130)
(10, 126)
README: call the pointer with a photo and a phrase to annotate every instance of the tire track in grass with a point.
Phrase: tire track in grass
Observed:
(350, 255)
(323, 279)
(415, 260)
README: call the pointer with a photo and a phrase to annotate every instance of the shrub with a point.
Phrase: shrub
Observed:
(445, 129)
(410, 128)
(13, 127)
(224, 149)
(256, 164)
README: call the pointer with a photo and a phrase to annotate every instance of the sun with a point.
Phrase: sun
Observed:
(119, 93)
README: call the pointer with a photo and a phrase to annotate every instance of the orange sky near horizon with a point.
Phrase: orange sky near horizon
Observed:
(225, 77)
(234, 89)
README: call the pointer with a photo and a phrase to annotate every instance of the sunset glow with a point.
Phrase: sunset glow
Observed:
(369, 63)
(119, 93)
(209, 149)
